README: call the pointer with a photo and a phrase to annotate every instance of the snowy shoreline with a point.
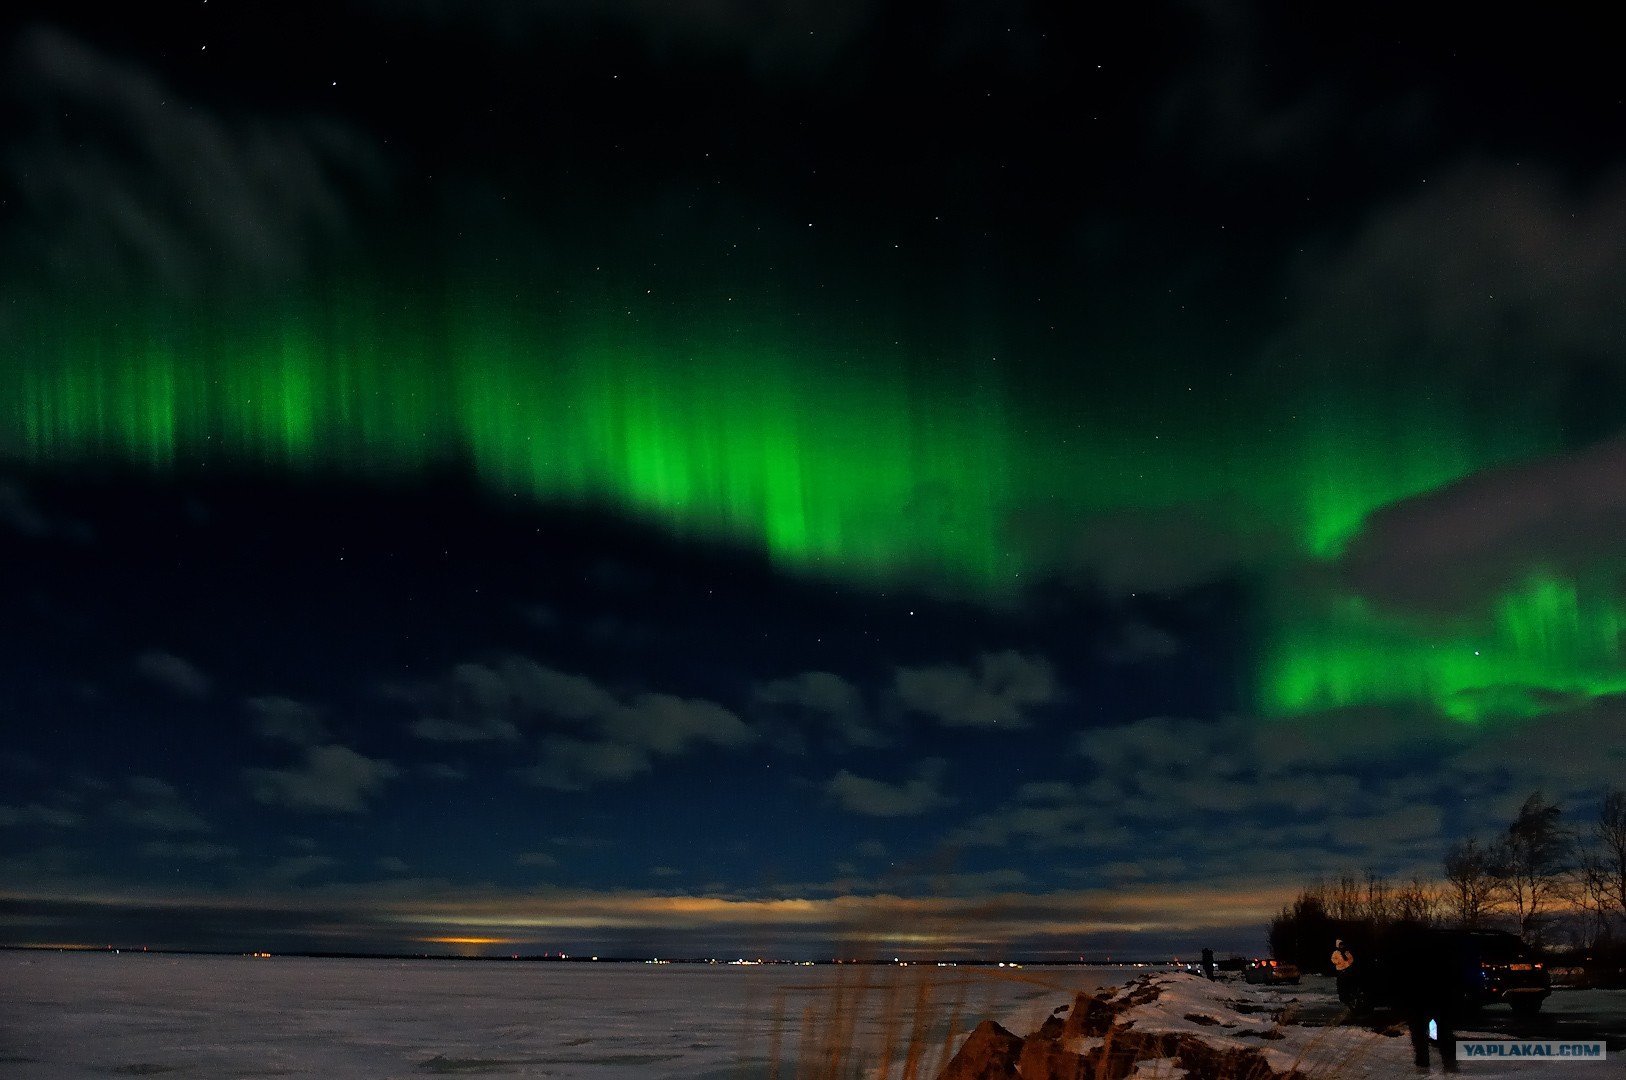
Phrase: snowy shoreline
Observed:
(65, 1016)
(1171, 1025)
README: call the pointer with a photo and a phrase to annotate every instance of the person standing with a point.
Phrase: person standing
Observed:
(1208, 964)
(1343, 965)
(1431, 989)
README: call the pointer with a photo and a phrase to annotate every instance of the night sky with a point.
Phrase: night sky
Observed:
(789, 478)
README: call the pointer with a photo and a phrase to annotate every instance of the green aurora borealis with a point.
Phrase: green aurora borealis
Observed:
(837, 458)
(1542, 643)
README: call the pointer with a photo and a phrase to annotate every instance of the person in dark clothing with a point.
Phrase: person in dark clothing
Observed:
(1208, 964)
(1426, 972)
(1343, 963)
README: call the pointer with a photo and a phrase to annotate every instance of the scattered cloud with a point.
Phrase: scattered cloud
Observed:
(178, 676)
(1572, 755)
(1404, 825)
(490, 702)
(189, 850)
(572, 764)
(585, 733)
(1057, 817)
(331, 779)
(1312, 796)
(872, 849)
(20, 514)
(124, 182)
(439, 729)
(147, 802)
(666, 725)
(817, 707)
(37, 814)
(1469, 276)
(997, 693)
(1233, 106)
(474, 704)
(1160, 550)
(293, 868)
(281, 719)
(877, 798)
(625, 740)
(1448, 549)
(1136, 642)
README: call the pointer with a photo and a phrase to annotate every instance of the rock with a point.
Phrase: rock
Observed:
(992, 1053)
(1117, 1057)
(1090, 1016)
(1202, 1060)
(1047, 1059)
(989, 1053)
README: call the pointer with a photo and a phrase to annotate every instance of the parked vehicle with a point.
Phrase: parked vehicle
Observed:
(1271, 972)
(1507, 972)
(1492, 967)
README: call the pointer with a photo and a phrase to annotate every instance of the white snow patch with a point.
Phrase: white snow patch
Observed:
(1247, 1014)
(1158, 1069)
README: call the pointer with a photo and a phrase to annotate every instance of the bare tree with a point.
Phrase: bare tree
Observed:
(1379, 898)
(1345, 898)
(1591, 895)
(1610, 834)
(1469, 884)
(1531, 862)
(1417, 901)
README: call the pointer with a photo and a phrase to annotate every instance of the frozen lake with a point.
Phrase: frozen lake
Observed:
(68, 1015)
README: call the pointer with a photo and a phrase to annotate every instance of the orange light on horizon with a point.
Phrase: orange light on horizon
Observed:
(468, 940)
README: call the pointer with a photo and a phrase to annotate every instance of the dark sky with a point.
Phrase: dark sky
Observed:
(528, 475)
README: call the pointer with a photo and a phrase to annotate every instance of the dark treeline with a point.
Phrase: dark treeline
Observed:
(1561, 887)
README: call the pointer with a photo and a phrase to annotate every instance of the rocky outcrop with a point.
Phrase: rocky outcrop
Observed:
(1090, 1017)
(989, 1053)
(1098, 1040)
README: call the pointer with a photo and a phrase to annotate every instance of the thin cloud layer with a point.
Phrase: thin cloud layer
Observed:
(127, 184)
(329, 779)
(178, 675)
(999, 691)
(879, 798)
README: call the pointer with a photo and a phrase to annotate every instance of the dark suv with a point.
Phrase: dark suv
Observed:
(1490, 967)
(1502, 970)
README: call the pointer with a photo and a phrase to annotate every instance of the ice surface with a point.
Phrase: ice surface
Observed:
(69, 1015)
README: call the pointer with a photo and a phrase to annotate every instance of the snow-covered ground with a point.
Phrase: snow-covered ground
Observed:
(1234, 1014)
(70, 1015)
